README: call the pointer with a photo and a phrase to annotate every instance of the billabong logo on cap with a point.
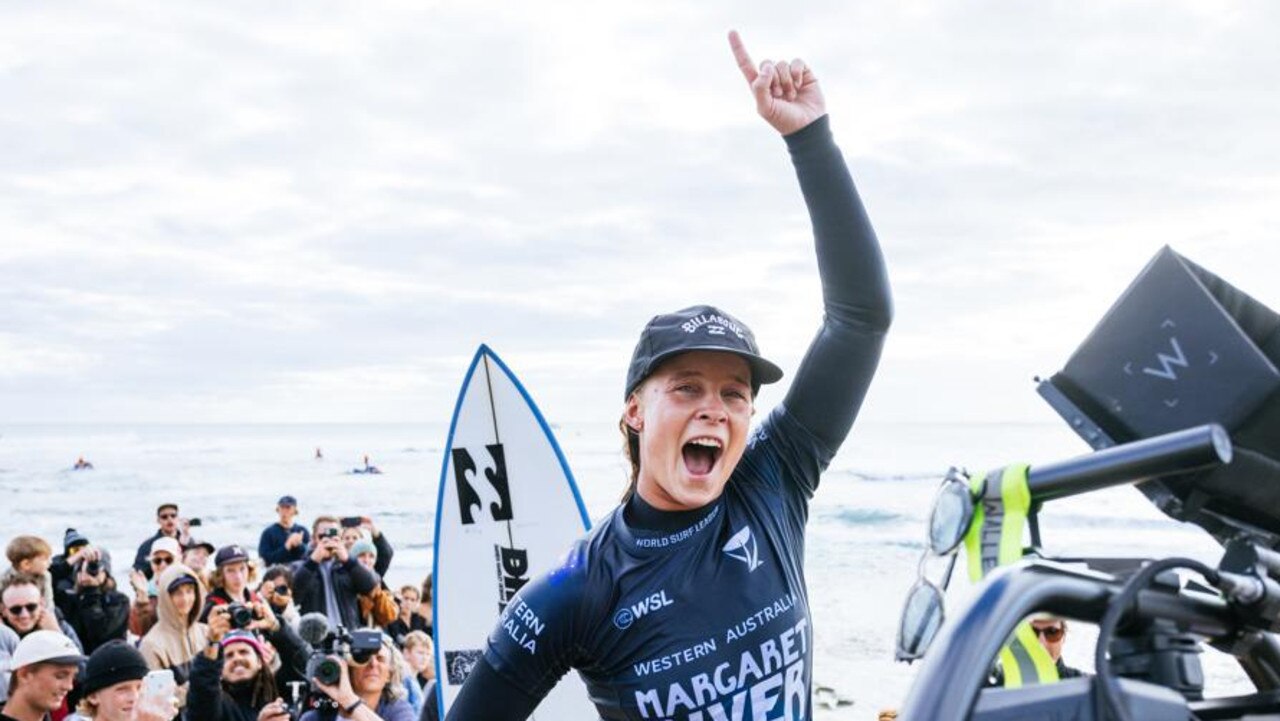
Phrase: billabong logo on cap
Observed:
(714, 323)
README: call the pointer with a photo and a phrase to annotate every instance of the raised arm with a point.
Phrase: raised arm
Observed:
(832, 380)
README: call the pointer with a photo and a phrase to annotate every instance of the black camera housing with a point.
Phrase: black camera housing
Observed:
(357, 646)
(241, 615)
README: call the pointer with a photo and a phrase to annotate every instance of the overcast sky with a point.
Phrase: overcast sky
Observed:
(246, 211)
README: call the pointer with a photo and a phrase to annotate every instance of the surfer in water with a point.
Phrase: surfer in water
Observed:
(689, 600)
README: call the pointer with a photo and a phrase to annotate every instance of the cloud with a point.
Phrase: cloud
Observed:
(315, 213)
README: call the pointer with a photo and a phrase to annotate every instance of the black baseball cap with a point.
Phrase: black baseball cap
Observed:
(230, 554)
(699, 327)
(287, 501)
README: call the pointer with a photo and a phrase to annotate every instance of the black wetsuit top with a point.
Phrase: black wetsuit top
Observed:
(703, 614)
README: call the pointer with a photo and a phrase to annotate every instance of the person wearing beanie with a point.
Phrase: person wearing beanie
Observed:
(377, 607)
(232, 680)
(367, 531)
(111, 686)
(44, 666)
(86, 593)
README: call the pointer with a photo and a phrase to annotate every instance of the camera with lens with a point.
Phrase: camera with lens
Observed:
(241, 615)
(357, 646)
(93, 568)
(330, 532)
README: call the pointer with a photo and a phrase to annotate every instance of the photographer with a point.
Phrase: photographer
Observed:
(277, 591)
(231, 680)
(231, 580)
(369, 691)
(94, 608)
(329, 581)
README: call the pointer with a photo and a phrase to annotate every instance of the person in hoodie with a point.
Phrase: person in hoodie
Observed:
(178, 634)
(232, 680)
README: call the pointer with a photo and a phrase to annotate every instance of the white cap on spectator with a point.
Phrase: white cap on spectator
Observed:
(168, 545)
(45, 647)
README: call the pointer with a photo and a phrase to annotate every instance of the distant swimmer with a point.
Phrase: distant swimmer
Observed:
(368, 467)
(82, 465)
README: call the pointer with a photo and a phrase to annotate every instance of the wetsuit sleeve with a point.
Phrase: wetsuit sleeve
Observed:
(833, 377)
(537, 639)
(487, 696)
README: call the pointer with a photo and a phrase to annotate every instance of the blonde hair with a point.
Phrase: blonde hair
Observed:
(394, 690)
(25, 548)
(87, 707)
(413, 639)
(217, 581)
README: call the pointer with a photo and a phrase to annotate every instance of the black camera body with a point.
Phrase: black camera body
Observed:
(93, 568)
(357, 646)
(241, 615)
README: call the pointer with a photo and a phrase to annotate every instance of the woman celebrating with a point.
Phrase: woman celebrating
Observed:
(689, 600)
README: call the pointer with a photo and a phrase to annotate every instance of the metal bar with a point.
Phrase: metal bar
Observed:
(960, 657)
(1178, 452)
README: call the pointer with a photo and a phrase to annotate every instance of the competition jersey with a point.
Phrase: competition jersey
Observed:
(708, 622)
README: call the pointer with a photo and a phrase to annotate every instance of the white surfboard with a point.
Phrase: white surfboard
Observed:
(507, 509)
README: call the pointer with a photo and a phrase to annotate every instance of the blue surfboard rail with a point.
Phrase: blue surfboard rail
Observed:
(483, 352)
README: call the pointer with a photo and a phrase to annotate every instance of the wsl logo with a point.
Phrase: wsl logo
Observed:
(743, 547)
(651, 604)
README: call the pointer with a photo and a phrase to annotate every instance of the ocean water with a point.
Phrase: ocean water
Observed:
(865, 535)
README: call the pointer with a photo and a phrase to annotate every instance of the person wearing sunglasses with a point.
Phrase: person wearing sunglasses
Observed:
(165, 552)
(1051, 631)
(170, 527)
(25, 611)
(368, 689)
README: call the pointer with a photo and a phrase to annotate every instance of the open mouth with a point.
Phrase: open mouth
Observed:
(701, 454)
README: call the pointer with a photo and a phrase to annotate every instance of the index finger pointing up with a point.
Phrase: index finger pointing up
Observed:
(740, 55)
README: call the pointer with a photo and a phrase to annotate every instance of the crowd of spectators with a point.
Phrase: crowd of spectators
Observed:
(232, 633)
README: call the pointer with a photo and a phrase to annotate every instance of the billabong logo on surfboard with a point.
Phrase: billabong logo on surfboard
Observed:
(506, 508)
(743, 547)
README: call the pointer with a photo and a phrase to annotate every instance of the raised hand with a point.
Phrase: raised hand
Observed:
(787, 93)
